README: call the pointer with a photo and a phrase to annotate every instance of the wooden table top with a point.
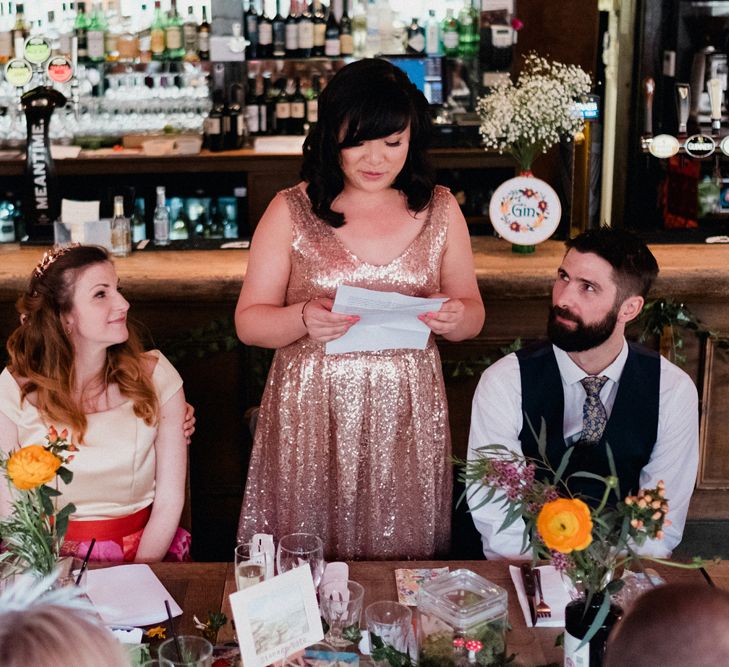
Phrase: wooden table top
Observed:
(199, 587)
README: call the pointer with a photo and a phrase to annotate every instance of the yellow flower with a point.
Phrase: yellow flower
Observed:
(565, 525)
(32, 466)
(157, 633)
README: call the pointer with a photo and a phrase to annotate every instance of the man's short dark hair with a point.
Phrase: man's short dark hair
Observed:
(634, 266)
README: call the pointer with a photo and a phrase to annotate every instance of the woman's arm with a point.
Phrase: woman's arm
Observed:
(462, 316)
(260, 317)
(169, 481)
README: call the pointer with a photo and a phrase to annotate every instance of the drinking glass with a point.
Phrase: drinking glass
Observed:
(300, 548)
(193, 651)
(340, 613)
(157, 662)
(391, 622)
(250, 568)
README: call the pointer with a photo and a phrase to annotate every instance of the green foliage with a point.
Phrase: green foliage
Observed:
(473, 367)
(216, 336)
(394, 658)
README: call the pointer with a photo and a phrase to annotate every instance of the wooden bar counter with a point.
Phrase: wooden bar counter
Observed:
(174, 293)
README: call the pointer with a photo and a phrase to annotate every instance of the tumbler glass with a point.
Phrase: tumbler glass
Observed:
(193, 651)
(389, 623)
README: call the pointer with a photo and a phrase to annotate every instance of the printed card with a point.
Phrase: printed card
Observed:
(409, 581)
(277, 617)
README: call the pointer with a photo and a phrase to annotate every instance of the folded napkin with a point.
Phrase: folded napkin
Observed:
(555, 595)
(129, 595)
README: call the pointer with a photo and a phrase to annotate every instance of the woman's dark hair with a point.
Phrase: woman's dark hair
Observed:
(367, 99)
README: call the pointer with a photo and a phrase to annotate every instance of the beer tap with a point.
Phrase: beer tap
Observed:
(683, 105)
(649, 88)
(714, 88)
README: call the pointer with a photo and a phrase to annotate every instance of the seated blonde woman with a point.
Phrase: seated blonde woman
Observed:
(76, 363)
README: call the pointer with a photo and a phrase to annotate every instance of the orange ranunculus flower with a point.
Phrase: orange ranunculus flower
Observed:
(565, 525)
(32, 466)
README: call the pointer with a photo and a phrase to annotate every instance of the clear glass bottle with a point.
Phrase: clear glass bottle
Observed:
(121, 230)
(174, 44)
(432, 34)
(161, 219)
(189, 34)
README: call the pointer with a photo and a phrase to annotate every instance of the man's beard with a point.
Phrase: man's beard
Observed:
(583, 336)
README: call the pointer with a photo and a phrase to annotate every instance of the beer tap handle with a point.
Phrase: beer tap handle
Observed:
(683, 105)
(714, 88)
(649, 89)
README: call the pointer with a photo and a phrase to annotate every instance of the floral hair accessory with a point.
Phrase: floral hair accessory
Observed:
(51, 256)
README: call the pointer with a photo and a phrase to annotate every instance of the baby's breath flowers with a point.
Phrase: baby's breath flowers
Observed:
(529, 116)
(33, 532)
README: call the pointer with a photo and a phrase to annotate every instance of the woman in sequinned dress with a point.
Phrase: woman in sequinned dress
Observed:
(356, 447)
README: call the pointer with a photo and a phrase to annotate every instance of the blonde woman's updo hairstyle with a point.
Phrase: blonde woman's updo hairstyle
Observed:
(42, 355)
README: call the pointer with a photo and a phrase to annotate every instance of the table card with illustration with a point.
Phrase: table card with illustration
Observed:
(590, 543)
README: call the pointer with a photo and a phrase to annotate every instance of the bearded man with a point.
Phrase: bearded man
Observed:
(594, 391)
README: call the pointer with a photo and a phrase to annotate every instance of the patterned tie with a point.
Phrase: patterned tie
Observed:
(594, 417)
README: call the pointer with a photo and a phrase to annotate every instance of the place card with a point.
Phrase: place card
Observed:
(276, 617)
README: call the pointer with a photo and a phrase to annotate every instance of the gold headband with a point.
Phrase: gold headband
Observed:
(51, 256)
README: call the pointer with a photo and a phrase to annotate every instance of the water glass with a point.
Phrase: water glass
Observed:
(300, 548)
(193, 651)
(340, 613)
(250, 568)
(391, 622)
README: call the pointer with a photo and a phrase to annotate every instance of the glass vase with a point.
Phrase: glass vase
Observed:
(578, 620)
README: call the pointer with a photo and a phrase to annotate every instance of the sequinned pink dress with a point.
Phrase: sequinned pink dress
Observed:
(354, 447)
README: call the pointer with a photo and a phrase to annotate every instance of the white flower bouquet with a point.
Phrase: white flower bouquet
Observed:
(528, 117)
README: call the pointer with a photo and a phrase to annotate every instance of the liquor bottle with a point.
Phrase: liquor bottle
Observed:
(121, 230)
(279, 33)
(265, 34)
(21, 30)
(283, 112)
(157, 33)
(306, 32)
(180, 228)
(65, 32)
(6, 36)
(139, 228)
(189, 36)
(332, 41)
(213, 125)
(432, 35)
(250, 30)
(128, 42)
(52, 33)
(449, 34)
(96, 34)
(161, 218)
(292, 32)
(266, 110)
(298, 109)
(7, 219)
(253, 112)
(144, 35)
(174, 44)
(203, 36)
(346, 41)
(359, 29)
(415, 37)
(468, 31)
(235, 125)
(320, 28)
(312, 102)
(80, 29)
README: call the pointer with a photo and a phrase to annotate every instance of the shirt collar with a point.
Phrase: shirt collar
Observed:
(571, 373)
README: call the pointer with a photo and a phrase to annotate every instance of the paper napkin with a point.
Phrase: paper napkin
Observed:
(409, 580)
(129, 595)
(555, 595)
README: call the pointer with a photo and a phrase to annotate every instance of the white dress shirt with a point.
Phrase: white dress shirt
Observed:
(497, 418)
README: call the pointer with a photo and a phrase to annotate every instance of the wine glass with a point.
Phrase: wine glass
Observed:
(299, 548)
(250, 567)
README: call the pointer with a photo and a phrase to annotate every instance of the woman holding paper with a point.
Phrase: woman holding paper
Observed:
(75, 363)
(355, 447)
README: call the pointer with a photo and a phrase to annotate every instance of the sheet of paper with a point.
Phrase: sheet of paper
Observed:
(388, 320)
(129, 595)
(73, 212)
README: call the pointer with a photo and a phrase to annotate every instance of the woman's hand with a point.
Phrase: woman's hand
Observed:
(322, 324)
(446, 319)
(188, 426)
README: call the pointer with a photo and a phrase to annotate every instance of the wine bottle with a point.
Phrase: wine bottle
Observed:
(203, 36)
(157, 33)
(449, 34)
(320, 28)
(253, 113)
(283, 111)
(265, 34)
(250, 30)
(298, 109)
(306, 33)
(346, 41)
(80, 29)
(312, 102)
(332, 42)
(266, 110)
(292, 32)
(279, 33)
(174, 45)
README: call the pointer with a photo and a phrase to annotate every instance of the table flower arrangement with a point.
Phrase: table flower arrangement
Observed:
(528, 116)
(589, 545)
(33, 532)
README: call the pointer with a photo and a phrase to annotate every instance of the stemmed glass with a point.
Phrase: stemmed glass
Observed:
(299, 548)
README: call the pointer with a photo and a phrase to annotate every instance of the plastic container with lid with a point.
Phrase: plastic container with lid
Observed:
(462, 620)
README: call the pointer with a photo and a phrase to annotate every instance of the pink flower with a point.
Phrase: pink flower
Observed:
(517, 24)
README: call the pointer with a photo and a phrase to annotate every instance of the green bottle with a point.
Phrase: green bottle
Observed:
(449, 34)
(157, 33)
(80, 31)
(468, 31)
(174, 34)
(96, 35)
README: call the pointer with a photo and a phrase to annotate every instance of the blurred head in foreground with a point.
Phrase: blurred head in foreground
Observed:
(673, 626)
(53, 628)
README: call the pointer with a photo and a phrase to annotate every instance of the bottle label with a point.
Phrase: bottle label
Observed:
(95, 44)
(283, 110)
(417, 42)
(332, 47)
(312, 111)
(298, 110)
(111, 42)
(574, 657)
(306, 35)
(189, 35)
(252, 116)
(252, 28)
(346, 44)
(292, 36)
(450, 39)
(262, 119)
(203, 41)
(212, 126)
(240, 125)
(6, 45)
(265, 34)
(320, 31)
(157, 44)
(174, 38)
